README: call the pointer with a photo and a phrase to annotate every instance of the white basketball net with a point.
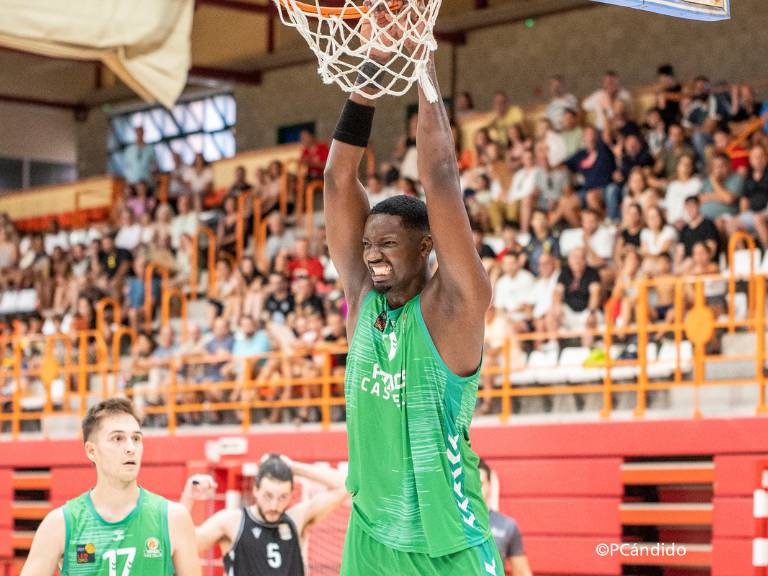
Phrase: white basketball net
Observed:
(396, 34)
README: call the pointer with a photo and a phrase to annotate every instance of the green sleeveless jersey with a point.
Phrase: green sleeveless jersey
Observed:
(412, 473)
(138, 545)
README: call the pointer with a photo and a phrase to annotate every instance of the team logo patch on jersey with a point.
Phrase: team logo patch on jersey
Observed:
(381, 322)
(152, 548)
(256, 532)
(118, 535)
(285, 532)
(86, 554)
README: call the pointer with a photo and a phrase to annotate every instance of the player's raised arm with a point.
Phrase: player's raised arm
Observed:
(213, 530)
(346, 205)
(320, 506)
(460, 272)
(47, 546)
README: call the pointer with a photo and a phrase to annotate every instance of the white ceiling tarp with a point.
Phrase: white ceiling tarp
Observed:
(144, 42)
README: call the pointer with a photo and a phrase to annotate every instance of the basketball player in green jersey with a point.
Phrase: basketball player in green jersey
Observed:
(117, 528)
(414, 359)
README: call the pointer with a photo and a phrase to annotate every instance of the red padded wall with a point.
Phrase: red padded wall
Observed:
(561, 481)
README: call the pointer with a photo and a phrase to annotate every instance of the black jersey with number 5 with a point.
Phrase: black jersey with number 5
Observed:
(265, 549)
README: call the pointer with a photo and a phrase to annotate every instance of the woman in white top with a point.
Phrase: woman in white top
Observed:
(161, 227)
(657, 237)
(523, 189)
(185, 222)
(129, 235)
(199, 180)
(685, 185)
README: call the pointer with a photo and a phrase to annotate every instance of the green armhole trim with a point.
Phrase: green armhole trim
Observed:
(366, 299)
(167, 537)
(439, 358)
(65, 555)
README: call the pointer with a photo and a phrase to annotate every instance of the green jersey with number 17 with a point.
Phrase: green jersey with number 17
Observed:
(412, 473)
(138, 545)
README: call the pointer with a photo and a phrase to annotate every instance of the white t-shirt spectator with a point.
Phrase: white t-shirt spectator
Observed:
(276, 243)
(60, 239)
(523, 183)
(557, 107)
(652, 243)
(409, 167)
(543, 291)
(183, 224)
(511, 293)
(84, 236)
(128, 237)
(594, 103)
(197, 183)
(677, 192)
(602, 242)
(147, 234)
(556, 150)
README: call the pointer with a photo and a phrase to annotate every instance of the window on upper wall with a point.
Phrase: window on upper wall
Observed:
(18, 173)
(204, 125)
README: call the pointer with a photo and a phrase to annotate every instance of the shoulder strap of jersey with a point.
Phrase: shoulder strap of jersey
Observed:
(166, 531)
(67, 531)
(293, 526)
(72, 510)
(240, 530)
(367, 300)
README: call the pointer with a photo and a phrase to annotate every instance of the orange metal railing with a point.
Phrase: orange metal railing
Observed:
(101, 306)
(211, 252)
(85, 360)
(309, 202)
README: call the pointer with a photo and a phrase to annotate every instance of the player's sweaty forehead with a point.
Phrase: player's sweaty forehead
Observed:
(383, 227)
(381, 224)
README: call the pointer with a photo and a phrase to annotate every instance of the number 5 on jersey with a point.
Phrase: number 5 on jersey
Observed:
(274, 558)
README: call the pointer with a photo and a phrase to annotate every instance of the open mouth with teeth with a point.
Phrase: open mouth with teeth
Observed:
(380, 271)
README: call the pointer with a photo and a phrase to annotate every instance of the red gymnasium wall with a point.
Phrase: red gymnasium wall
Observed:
(561, 482)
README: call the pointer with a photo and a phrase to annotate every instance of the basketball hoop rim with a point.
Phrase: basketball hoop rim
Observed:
(346, 13)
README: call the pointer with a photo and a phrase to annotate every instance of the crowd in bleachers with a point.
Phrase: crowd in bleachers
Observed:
(570, 207)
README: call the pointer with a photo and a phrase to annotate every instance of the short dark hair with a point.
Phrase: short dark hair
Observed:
(703, 244)
(510, 225)
(483, 465)
(665, 70)
(217, 305)
(412, 211)
(274, 468)
(108, 407)
(693, 200)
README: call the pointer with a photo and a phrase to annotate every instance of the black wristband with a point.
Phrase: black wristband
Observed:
(355, 124)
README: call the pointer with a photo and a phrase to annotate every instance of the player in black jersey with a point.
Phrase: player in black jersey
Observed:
(266, 538)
